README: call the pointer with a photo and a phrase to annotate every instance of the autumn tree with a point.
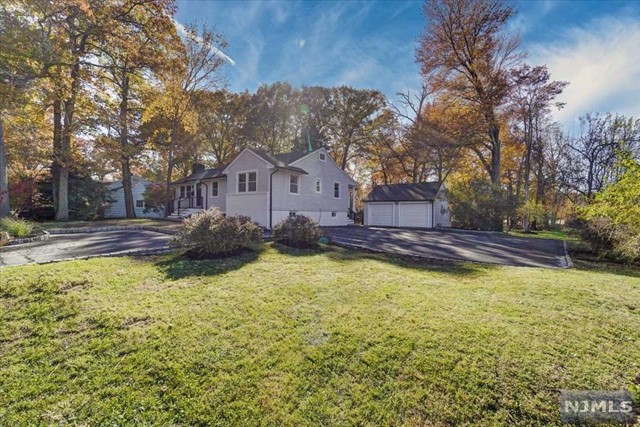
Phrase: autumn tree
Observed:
(222, 116)
(127, 56)
(532, 98)
(194, 67)
(466, 50)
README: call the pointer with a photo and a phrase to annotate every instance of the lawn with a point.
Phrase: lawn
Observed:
(309, 338)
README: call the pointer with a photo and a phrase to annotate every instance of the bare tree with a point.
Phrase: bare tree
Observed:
(531, 101)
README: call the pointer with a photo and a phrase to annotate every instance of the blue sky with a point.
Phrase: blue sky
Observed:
(593, 45)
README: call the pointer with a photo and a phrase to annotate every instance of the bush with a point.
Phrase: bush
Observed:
(478, 205)
(298, 231)
(611, 222)
(211, 234)
(156, 198)
(17, 227)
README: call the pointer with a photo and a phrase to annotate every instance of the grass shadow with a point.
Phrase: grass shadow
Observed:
(456, 268)
(291, 251)
(588, 261)
(177, 266)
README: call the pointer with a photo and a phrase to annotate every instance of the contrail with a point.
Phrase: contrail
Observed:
(217, 51)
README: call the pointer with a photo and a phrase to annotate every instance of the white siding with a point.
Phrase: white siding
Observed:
(252, 204)
(319, 206)
(219, 202)
(441, 211)
(117, 209)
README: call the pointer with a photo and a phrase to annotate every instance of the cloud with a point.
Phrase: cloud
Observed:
(300, 43)
(600, 61)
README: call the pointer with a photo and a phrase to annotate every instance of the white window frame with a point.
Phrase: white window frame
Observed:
(292, 175)
(216, 185)
(321, 155)
(339, 189)
(246, 182)
(141, 203)
(334, 214)
(318, 188)
(183, 191)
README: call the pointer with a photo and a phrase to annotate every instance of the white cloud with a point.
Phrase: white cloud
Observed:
(600, 60)
(300, 43)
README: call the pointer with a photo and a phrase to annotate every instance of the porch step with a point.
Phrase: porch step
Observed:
(185, 213)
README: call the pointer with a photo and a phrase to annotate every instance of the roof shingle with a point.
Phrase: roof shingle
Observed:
(423, 191)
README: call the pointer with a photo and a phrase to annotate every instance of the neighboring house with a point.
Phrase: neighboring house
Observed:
(116, 193)
(422, 205)
(269, 188)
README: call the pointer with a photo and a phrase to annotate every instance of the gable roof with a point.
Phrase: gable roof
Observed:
(423, 191)
(203, 174)
(282, 161)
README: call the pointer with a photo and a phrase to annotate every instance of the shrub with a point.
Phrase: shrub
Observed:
(478, 205)
(298, 231)
(156, 198)
(17, 227)
(211, 234)
(611, 222)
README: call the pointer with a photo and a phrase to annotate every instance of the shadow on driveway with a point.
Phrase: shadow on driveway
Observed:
(454, 245)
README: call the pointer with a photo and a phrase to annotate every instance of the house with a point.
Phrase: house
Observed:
(421, 205)
(269, 188)
(116, 193)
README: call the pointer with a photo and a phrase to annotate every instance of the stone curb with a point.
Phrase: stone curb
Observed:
(431, 258)
(45, 236)
(77, 230)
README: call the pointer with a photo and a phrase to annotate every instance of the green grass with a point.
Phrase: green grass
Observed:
(308, 338)
(109, 223)
(17, 227)
(546, 234)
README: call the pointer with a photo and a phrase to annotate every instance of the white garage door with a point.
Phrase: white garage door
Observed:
(415, 215)
(380, 214)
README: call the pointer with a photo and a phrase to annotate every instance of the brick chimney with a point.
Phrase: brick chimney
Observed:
(197, 167)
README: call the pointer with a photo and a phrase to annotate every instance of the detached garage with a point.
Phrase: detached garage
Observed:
(422, 205)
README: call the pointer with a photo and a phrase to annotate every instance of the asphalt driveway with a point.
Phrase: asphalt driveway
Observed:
(64, 246)
(490, 248)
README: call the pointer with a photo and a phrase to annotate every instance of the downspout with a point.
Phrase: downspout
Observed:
(271, 198)
(433, 214)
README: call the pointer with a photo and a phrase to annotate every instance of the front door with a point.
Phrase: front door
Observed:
(198, 195)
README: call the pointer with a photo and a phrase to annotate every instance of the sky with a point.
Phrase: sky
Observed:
(594, 45)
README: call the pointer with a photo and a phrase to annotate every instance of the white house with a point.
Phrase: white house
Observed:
(269, 188)
(116, 193)
(421, 205)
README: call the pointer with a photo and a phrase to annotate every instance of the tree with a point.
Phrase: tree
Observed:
(468, 53)
(194, 68)
(127, 55)
(355, 112)
(222, 116)
(532, 97)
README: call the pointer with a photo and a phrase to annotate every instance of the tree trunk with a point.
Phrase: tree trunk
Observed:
(125, 155)
(5, 207)
(172, 144)
(494, 136)
(57, 144)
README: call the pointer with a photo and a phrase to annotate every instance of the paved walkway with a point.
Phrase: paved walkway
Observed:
(490, 248)
(63, 246)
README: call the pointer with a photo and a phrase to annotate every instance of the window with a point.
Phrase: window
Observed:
(336, 190)
(182, 191)
(323, 157)
(292, 214)
(293, 184)
(318, 185)
(139, 203)
(214, 189)
(333, 214)
(247, 182)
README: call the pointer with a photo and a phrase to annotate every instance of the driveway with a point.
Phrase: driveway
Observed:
(64, 246)
(456, 245)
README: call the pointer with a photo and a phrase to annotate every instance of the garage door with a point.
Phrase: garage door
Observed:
(415, 215)
(380, 214)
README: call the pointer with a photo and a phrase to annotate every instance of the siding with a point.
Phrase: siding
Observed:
(117, 209)
(219, 202)
(254, 205)
(308, 202)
